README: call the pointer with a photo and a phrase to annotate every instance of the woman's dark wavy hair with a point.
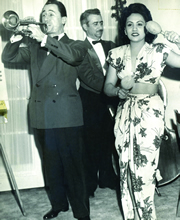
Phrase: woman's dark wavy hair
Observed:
(60, 6)
(127, 11)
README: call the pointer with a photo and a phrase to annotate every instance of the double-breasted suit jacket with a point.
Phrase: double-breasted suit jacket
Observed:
(54, 101)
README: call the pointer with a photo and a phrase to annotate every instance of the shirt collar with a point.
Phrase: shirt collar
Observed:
(60, 36)
(90, 40)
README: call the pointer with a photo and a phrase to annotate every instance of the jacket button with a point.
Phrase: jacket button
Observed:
(37, 85)
(54, 101)
(54, 85)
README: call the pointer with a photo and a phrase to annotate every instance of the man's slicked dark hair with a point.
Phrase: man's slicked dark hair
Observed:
(60, 6)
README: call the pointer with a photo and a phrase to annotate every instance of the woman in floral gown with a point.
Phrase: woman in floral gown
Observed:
(139, 122)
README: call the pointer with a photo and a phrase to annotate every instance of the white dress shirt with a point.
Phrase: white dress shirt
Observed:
(100, 52)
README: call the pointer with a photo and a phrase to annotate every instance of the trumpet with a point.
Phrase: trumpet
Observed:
(11, 21)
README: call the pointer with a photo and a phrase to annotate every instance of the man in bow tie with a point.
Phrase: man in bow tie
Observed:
(55, 107)
(99, 137)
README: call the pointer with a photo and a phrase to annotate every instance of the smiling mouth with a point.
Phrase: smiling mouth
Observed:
(135, 34)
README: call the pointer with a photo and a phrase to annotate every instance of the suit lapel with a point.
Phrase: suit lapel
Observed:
(47, 62)
(94, 57)
(47, 66)
(105, 47)
(42, 54)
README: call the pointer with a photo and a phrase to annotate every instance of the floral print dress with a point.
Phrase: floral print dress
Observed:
(139, 126)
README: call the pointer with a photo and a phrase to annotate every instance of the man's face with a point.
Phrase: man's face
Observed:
(52, 17)
(94, 27)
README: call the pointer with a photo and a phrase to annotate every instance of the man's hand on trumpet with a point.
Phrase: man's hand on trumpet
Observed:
(30, 28)
(36, 32)
(28, 19)
(23, 29)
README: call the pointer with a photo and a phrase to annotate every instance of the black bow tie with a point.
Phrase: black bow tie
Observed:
(56, 37)
(96, 41)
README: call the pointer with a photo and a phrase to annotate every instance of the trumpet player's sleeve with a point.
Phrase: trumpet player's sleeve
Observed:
(16, 38)
(14, 53)
(90, 76)
(68, 50)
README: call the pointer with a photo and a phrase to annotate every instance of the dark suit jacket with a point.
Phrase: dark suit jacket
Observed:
(54, 101)
(90, 71)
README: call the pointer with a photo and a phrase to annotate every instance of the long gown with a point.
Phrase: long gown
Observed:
(139, 126)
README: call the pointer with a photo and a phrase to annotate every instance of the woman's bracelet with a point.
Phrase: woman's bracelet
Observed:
(118, 88)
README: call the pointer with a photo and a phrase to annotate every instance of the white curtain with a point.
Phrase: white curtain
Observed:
(16, 136)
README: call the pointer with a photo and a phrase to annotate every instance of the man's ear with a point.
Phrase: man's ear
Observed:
(84, 26)
(64, 20)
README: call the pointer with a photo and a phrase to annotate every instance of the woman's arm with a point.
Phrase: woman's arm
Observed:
(173, 58)
(110, 88)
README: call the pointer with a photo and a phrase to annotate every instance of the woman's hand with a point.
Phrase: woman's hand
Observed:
(127, 82)
(122, 93)
(172, 36)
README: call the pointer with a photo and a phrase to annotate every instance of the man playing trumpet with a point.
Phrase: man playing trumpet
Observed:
(55, 107)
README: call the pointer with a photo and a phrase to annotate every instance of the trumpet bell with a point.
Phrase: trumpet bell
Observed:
(10, 20)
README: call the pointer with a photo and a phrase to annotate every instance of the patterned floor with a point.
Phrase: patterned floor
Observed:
(103, 205)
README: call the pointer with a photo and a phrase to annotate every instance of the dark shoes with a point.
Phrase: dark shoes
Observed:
(108, 181)
(53, 213)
